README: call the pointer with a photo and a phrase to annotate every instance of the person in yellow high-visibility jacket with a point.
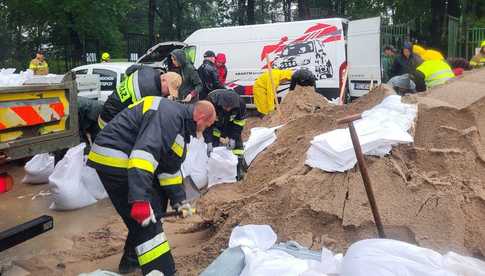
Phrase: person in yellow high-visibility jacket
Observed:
(479, 59)
(38, 65)
(432, 72)
(263, 93)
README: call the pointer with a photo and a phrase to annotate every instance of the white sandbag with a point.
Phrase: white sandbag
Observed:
(383, 257)
(221, 167)
(92, 183)
(65, 182)
(195, 164)
(462, 265)
(38, 169)
(9, 78)
(259, 139)
(274, 262)
(380, 128)
(254, 236)
(100, 272)
(261, 258)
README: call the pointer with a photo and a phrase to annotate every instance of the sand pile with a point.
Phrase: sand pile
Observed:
(430, 193)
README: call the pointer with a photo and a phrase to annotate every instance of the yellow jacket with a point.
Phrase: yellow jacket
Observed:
(39, 67)
(263, 95)
(478, 59)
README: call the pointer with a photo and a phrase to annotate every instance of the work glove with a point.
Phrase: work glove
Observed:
(142, 212)
(185, 209)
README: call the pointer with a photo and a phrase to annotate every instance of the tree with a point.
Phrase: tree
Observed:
(250, 8)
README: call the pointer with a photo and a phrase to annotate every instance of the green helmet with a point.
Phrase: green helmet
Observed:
(105, 56)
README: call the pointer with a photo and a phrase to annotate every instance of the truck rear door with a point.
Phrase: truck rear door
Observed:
(363, 55)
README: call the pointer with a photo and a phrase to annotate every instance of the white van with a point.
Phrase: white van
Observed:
(325, 46)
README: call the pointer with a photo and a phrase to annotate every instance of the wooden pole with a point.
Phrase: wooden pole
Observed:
(363, 171)
(273, 87)
(344, 84)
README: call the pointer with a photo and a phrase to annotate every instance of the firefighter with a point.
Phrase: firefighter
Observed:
(141, 81)
(231, 118)
(39, 65)
(138, 157)
(105, 57)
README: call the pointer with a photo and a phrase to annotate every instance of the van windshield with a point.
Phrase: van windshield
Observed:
(298, 49)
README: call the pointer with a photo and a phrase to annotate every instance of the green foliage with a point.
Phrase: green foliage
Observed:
(69, 28)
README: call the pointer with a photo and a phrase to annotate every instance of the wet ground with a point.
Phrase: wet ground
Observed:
(82, 240)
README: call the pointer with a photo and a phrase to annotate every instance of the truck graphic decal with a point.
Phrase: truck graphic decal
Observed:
(306, 51)
(326, 33)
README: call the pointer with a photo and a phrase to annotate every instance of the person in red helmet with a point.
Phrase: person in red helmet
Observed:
(221, 67)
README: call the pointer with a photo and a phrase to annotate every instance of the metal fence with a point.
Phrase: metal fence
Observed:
(395, 35)
(473, 38)
(454, 44)
(136, 45)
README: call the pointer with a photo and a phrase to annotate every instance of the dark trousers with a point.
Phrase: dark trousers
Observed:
(154, 255)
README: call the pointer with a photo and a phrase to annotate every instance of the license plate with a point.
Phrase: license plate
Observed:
(361, 86)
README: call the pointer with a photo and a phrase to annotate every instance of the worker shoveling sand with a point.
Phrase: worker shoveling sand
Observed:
(429, 193)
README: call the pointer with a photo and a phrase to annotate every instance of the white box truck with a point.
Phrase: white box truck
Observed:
(325, 46)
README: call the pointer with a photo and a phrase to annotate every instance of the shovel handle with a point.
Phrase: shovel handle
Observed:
(349, 119)
(177, 213)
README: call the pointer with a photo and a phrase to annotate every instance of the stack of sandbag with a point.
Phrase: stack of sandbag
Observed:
(380, 128)
(38, 169)
(253, 251)
(73, 184)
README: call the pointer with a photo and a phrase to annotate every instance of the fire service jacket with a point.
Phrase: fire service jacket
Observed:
(146, 142)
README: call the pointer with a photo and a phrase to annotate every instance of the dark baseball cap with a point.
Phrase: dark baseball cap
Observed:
(209, 54)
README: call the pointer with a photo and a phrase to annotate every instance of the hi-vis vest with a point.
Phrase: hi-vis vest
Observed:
(435, 72)
(129, 89)
(39, 67)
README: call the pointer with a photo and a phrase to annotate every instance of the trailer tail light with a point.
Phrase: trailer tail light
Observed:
(6, 182)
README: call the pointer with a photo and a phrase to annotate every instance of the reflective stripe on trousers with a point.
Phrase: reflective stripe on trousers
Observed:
(166, 179)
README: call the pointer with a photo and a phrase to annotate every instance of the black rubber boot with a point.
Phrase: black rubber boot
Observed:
(128, 263)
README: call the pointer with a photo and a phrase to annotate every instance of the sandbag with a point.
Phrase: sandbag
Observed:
(66, 183)
(383, 257)
(263, 258)
(380, 128)
(195, 164)
(259, 139)
(221, 167)
(91, 181)
(38, 169)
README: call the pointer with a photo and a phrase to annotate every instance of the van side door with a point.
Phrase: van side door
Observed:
(363, 55)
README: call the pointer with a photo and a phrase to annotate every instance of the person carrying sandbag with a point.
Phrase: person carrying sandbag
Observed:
(138, 157)
(231, 119)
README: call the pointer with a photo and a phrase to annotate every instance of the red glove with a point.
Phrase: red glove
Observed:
(142, 212)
